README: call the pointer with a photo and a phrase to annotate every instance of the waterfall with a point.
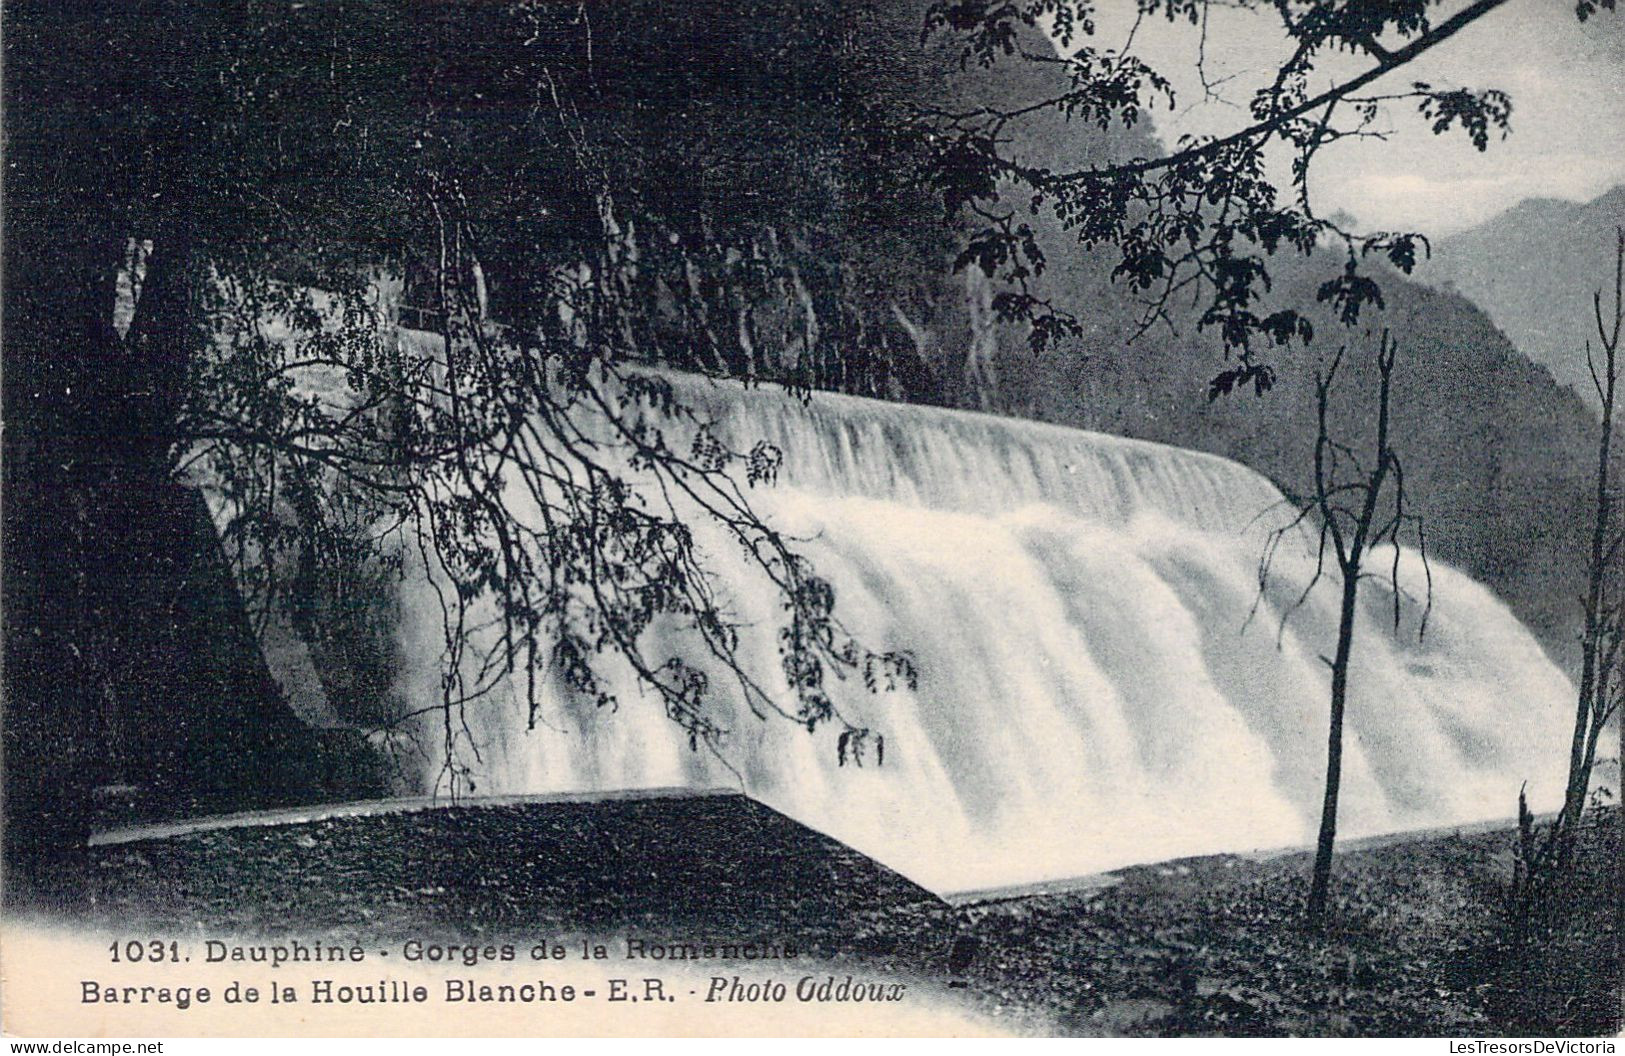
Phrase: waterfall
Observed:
(1091, 691)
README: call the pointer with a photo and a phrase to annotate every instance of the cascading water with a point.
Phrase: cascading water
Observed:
(1091, 693)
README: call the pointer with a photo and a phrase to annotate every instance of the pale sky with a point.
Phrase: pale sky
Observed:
(1566, 79)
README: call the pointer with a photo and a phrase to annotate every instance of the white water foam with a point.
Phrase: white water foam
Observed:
(1091, 693)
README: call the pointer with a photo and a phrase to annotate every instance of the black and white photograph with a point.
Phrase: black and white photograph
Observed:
(805, 518)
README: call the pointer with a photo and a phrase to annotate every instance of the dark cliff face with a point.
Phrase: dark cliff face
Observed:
(770, 210)
(762, 205)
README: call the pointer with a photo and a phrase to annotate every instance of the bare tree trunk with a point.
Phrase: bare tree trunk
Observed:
(1321, 882)
(1591, 709)
(1351, 534)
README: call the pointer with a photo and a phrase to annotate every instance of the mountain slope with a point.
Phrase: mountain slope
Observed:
(1533, 270)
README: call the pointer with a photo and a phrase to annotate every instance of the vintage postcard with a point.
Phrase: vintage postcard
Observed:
(813, 517)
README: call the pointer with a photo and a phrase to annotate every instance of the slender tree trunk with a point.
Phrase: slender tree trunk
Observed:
(1579, 771)
(1351, 551)
(1321, 883)
(1582, 750)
